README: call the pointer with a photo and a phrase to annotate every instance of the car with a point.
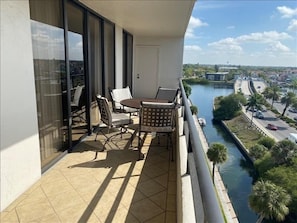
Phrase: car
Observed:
(294, 110)
(272, 127)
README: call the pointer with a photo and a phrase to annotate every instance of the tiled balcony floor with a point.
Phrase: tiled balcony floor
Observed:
(113, 188)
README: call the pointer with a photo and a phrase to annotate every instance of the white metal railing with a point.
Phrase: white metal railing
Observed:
(197, 199)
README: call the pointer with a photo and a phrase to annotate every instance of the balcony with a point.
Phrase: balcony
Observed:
(116, 187)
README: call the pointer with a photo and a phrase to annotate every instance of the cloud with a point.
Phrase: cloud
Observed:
(231, 27)
(193, 24)
(264, 37)
(287, 12)
(192, 48)
(278, 47)
(293, 25)
(230, 44)
(272, 38)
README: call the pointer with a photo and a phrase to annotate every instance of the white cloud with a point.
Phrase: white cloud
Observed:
(293, 25)
(264, 37)
(192, 48)
(193, 24)
(287, 12)
(230, 44)
(278, 47)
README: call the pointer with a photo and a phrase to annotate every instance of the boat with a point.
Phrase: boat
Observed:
(202, 121)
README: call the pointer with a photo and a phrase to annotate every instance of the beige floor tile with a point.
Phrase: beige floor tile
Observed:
(171, 202)
(171, 187)
(153, 171)
(131, 195)
(150, 188)
(65, 200)
(9, 217)
(145, 209)
(113, 188)
(49, 219)
(158, 219)
(160, 199)
(31, 212)
(163, 180)
(35, 196)
(78, 213)
(58, 187)
(170, 217)
(51, 176)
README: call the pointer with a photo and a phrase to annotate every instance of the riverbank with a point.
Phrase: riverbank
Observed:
(227, 206)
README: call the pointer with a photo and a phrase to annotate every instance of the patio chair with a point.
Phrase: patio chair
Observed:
(76, 103)
(158, 118)
(111, 120)
(167, 94)
(119, 94)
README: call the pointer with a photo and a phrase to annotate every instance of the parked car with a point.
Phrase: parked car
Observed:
(272, 127)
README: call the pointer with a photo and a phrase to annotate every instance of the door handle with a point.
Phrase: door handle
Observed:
(137, 76)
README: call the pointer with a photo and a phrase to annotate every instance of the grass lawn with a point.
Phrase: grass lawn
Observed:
(247, 134)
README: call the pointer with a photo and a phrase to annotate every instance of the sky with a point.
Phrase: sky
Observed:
(238, 32)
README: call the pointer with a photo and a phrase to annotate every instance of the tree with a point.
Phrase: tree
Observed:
(272, 93)
(267, 142)
(187, 88)
(283, 152)
(229, 106)
(257, 151)
(294, 85)
(269, 201)
(282, 176)
(217, 153)
(287, 100)
(255, 101)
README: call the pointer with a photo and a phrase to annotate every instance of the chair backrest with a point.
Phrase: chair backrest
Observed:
(167, 94)
(156, 117)
(77, 95)
(104, 109)
(119, 94)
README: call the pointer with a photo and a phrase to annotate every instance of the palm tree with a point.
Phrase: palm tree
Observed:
(283, 152)
(272, 93)
(254, 102)
(269, 201)
(294, 85)
(217, 153)
(287, 100)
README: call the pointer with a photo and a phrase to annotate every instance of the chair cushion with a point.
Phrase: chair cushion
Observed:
(120, 119)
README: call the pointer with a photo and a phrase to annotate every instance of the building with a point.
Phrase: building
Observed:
(218, 76)
(51, 48)
(48, 48)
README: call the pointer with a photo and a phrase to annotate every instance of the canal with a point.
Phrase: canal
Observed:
(234, 172)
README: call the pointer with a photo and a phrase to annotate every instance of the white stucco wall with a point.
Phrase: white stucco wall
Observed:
(170, 58)
(19, 151)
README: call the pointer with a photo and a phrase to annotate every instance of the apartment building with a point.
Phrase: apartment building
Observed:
(50, 48)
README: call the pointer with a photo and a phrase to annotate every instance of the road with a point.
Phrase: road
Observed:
(269, 117)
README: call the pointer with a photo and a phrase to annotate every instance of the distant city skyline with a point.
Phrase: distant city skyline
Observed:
(256, 33)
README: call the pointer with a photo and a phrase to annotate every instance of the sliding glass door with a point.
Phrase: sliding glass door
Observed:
(50, 77)
(78, 88)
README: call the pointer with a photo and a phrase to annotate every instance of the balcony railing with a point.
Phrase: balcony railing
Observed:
(195, 187)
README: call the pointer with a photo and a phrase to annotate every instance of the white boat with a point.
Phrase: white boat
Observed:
(202, 121)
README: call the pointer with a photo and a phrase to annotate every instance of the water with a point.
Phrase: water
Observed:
(234, 172)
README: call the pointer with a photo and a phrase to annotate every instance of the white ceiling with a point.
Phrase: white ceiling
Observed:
(146, 17)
